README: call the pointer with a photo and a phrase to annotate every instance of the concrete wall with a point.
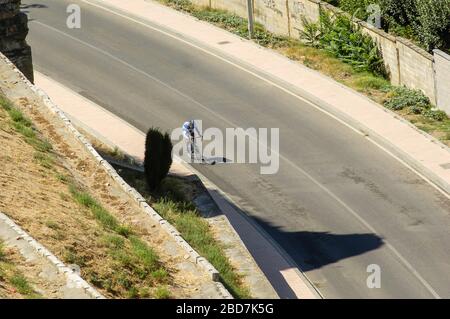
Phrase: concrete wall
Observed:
(406, 63)
(13, 31)
(442, 69)
(273, 14)
(299, 8)
(416, 68)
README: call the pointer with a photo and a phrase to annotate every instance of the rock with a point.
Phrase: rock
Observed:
(13, 31)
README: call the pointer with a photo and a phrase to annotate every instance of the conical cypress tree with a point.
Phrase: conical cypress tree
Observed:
(158, 157)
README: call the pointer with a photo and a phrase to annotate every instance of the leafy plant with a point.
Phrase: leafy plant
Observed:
(436, 115)
(433, 23)
(357, 8)
(427, 21)
(402, 97)
(341, 37)
(417, 109)
(310, 33)
(184, 5)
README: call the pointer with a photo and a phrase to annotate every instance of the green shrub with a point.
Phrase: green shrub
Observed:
(310, 33)
(401, 11)
(158, 157)
(417, 109)
(427, 21)
(357, 8)
(403, 97)
(344, 40)
(433, 23)
(184, 5)
(370, 81)
(162, 293)
(436, 115)
(424, 21)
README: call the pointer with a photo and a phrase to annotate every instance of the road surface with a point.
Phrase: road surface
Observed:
(338, 203)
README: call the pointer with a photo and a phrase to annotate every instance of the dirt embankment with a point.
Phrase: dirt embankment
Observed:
(56, 192)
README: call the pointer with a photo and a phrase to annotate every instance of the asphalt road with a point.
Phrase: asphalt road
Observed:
(338, 202)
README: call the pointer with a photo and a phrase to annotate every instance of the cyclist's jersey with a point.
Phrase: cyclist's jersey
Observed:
(186, 130)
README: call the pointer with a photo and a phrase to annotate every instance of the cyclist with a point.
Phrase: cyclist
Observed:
(189, 129)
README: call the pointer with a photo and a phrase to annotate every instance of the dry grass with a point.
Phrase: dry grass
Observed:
(173, 201)
(13, 282)
(118, 248)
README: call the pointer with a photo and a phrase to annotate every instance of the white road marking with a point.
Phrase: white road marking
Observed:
(320, 185)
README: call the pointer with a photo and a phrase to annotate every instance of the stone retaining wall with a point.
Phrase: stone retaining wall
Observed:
(13, 31)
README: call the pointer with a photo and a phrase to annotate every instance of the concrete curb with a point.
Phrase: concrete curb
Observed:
(41, 250)
(201, 262)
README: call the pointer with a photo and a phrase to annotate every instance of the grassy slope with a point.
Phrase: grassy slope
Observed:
(12, 281)
(130, 268)
(172, 204)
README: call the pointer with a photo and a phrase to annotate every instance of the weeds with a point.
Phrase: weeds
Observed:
(24, 126)
(136, 263)
(52, 225)
(172, 204)
(108, 221)
(436, 115)
(402, 97)
(344, 40)
(62, 178)
(22, 286)
(10, 275)
(44, 159)
(162, 293)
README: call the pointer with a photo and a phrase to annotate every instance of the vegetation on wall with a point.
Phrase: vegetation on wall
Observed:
(339, 36)
(358, 8)
(427, 22)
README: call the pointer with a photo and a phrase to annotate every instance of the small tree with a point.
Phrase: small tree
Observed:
(158, 157)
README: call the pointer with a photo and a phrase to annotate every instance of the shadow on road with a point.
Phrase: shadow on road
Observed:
(312, 250)
(24, 7)
(309, 250)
